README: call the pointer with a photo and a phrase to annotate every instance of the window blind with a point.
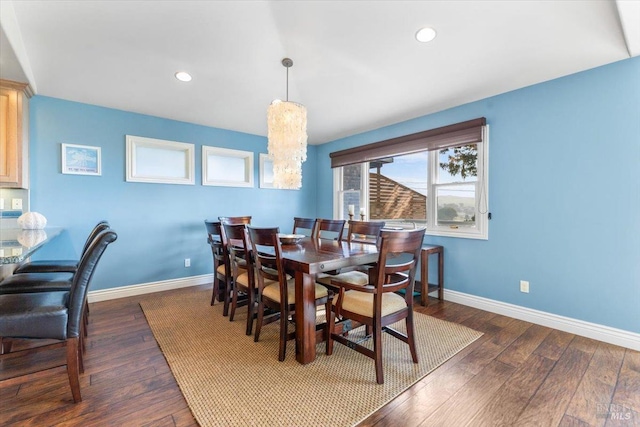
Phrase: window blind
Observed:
(469, 132)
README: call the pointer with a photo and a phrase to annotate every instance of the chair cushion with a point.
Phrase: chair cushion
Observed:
(36, 282)
(243, 278)
(48, 266)
(221, 269)
(352, 277)
(34, 315)
(273, 291)
(362, 303)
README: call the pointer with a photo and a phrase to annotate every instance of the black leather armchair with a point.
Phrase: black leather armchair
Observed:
(54, 315)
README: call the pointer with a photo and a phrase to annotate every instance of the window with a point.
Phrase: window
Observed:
(443, 189)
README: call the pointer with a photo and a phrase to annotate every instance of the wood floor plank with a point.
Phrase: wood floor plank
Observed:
(421, 404)
(625, 405)
(460, 408)
(548, 405)
(518, 352)
(597, 385)
(554, 344)
(504, 408)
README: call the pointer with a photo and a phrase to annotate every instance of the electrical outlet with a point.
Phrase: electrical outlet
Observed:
(187, 262)
(16, 203)
(524, 286)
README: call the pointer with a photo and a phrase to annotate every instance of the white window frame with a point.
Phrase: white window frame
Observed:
(246, 170)
(480, 231)
(176, 164)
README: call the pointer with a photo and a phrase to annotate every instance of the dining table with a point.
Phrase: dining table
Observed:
(305, 260)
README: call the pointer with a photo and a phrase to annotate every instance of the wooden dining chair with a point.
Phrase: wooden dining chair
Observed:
(365, 232)
(377, 304)
(276, 290)
(242, 272)
(329, 228)
(225, 245)
(221, 274)
(303, 225)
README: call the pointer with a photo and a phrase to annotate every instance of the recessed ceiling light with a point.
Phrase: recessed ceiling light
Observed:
(183, 76)
(426, 34)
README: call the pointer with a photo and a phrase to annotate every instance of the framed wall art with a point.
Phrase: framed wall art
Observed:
(81, 160)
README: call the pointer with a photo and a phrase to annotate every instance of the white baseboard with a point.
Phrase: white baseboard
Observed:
(579, 327)
(147, 288)
(586, 329)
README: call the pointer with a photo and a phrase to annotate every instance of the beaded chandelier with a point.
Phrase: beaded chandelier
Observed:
(287, 139)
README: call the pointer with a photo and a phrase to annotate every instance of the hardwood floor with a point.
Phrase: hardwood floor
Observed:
(516, 374)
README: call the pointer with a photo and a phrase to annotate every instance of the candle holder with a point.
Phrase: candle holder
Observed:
(350, 217)
(361, 217)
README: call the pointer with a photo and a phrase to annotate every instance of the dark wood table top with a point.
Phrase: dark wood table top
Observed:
(313, 256)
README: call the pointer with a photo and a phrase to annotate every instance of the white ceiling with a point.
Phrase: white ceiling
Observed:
(357, 65)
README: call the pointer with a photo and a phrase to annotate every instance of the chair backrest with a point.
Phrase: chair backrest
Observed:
(399, 252)
(267, 255)
(329, 225)
(235, 219)
(82, 279)
(303, 224)
(102, 225)
(214, 238)
(238, 245)
(364, 231)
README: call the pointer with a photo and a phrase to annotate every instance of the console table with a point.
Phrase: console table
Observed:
(427, 287)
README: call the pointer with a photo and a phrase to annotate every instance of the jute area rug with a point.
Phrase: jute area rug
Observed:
(229, 380)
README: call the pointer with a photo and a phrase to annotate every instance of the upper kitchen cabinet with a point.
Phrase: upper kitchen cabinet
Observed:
(14, 134)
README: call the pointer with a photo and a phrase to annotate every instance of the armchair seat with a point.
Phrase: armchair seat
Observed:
(354, 277)
(36, 282)
(272, 290)
(362, 303)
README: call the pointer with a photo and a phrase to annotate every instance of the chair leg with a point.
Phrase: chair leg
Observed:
(284, 322)
(81, 351)
(331, 324)
(259, 320)
(234, 302)
(73, 368)
(411, 338)
(216, 283)
(227, 297)
(250, 311)
(377, 349)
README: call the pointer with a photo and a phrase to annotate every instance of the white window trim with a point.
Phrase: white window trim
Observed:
(481, 231)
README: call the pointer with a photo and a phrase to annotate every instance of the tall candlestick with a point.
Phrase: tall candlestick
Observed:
(352, 209)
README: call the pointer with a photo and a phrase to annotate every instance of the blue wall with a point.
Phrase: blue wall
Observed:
(564, 192)
(158, 225)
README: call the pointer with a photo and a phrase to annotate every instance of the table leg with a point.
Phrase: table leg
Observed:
(441, 275)
(424, 278)
(305, 318)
